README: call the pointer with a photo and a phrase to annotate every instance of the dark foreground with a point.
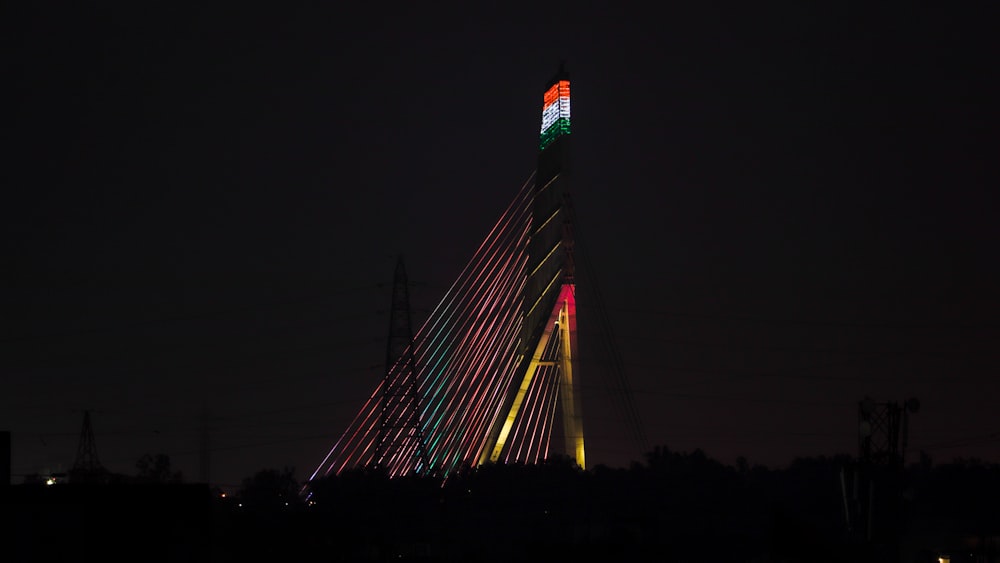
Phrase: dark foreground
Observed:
(678, 507)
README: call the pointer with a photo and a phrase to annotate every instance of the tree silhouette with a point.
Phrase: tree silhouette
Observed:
(270, 489)
(156, 469)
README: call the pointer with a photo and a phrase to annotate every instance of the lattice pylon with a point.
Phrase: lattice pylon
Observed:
(400, 433)
(87, 467)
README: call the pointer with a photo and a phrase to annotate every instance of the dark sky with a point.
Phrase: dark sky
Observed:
(788, 206)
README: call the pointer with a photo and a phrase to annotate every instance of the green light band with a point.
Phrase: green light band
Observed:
(556, 130)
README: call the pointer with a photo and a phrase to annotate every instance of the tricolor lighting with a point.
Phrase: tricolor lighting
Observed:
(555, 113)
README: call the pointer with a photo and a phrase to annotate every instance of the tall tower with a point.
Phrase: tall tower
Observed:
(872, 487)
(400, 432)
(492, 374)
(87, 468)
(548, 333)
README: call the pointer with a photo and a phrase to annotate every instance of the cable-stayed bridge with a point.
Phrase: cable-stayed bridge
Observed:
(493, 374)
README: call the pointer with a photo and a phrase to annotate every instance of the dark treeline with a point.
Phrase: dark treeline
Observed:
(673, 506)
(676, 506)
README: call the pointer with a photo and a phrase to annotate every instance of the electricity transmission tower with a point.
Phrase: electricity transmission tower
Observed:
(87, 468)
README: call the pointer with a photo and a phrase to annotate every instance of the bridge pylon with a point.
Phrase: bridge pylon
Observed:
(493, 372)
(548, 334)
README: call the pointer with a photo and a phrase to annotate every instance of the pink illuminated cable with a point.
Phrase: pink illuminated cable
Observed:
(465, 355)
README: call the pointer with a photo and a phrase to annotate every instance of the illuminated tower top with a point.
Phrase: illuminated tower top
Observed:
(554, 134)
(555, 113)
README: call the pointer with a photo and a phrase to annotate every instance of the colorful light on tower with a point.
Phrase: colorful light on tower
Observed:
(555, 113)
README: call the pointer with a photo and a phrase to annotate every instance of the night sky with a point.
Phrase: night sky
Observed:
(788, 206)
